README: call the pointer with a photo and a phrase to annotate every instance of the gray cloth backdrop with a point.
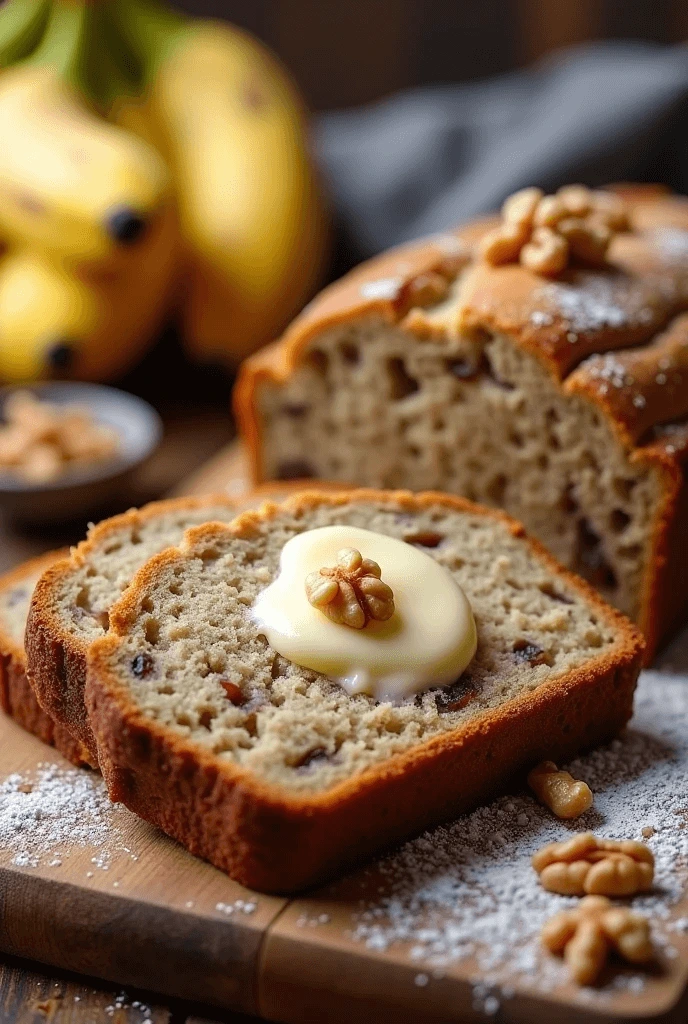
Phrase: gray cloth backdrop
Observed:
(424, 160)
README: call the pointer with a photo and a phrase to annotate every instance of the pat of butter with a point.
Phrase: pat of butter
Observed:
(428, 641)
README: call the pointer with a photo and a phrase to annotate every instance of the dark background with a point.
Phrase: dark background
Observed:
(345, 52)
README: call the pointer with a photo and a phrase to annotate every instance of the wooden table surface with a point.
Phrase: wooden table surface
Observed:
(33, 994)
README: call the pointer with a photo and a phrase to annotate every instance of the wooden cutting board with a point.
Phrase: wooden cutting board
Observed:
(139, 910)
(160, 922)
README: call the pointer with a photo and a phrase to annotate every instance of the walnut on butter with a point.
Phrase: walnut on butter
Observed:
(558, 790)
(585, 864)
(587, 934)
(548, 233)
(351, 592)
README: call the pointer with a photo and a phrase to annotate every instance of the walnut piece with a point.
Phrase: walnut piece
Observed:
(351, 593)
(548, 233)
(586, 935)
(559, 791)
(585, 864)
(546, 253)
(39, 440)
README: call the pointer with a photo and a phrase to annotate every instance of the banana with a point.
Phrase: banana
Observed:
(70, 183)
(41, 310)
(229, 123)
(137, 143)
(91, 326)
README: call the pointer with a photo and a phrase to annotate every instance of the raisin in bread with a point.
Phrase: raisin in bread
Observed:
(70, 604)
(17, 698)
(563, 401)
(273, 772)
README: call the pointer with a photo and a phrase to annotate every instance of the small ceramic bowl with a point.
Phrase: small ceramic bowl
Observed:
(87, 488)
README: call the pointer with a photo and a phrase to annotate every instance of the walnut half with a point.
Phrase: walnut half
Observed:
(585, 864)
(585, 936)
(351, 593)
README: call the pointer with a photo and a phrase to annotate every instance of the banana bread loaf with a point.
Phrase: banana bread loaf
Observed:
(511, 371)
(277, 775)
(17, 698)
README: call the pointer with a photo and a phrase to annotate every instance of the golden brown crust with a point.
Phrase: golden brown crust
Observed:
(639, 388)
(582, 314)
(56, 658)
(224, 814)
(561, 322)
(17, 698)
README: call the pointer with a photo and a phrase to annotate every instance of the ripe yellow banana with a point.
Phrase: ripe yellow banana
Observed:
(70, 183)
(96, 101)
(229, 123)
(40, 307)
(91, 327)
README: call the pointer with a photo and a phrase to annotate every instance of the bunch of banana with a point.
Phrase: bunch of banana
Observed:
(149, 163)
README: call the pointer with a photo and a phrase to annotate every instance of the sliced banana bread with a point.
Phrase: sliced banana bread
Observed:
(17, 698)
(70, 604)
(273, 772)
(557, 392)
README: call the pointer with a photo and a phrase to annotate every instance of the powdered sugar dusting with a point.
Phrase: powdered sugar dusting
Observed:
(383, 288)
(45, 813)
(608, 370)
(672, 244)
(468, 889)
(122, 1004)
(595, 302)
(450, 245)
(237, 907)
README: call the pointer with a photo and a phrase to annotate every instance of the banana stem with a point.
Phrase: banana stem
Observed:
(150, 29)
(103, 48)
(22, 23)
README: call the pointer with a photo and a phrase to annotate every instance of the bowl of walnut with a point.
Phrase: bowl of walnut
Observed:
(68, 449)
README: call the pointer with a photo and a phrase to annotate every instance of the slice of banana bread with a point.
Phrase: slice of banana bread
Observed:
(70, 604)
(561, 398)
(17, 698)
(273, 772)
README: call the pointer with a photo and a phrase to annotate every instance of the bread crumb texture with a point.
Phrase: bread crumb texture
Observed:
(193, 660)
(83, 596)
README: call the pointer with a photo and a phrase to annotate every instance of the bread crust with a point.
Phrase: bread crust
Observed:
(56, 659)
(275, 841)
(650, 284)
(17, 698)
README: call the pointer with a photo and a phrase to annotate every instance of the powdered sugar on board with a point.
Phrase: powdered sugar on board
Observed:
(47, 812)
(468, 889)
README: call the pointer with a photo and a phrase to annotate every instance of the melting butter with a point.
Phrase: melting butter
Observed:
(428, 641)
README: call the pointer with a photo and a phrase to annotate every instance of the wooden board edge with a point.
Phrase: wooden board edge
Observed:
(318, 974)
(51, 922)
